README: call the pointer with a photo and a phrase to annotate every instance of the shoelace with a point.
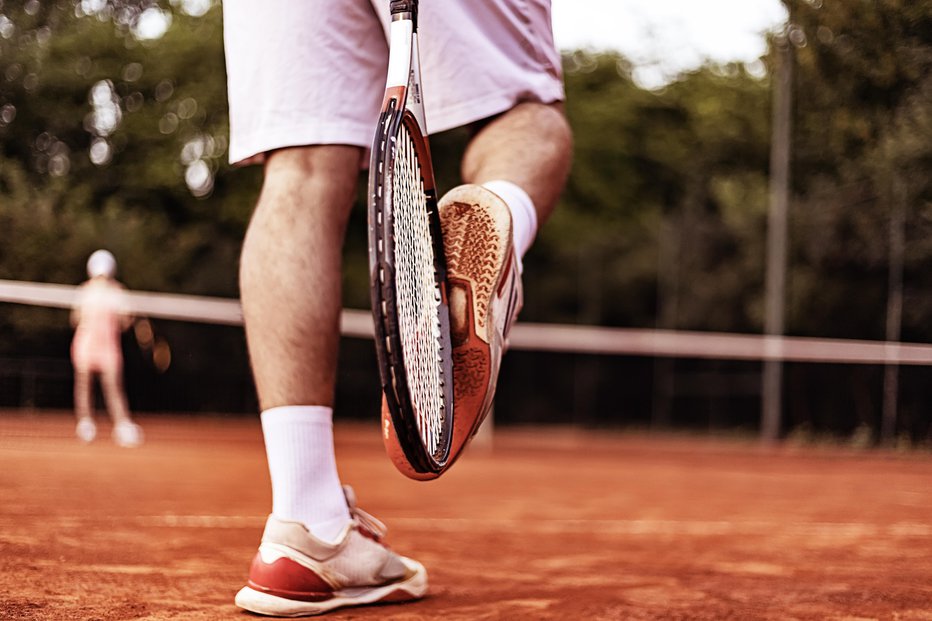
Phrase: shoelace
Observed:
(363, 519)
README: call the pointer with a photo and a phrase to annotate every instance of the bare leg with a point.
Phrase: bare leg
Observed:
(290, 281)
(290, 273)
(115, 395)
(83, 405)
(531, 146)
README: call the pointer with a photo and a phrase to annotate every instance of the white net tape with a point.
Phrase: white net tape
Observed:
(532, 337)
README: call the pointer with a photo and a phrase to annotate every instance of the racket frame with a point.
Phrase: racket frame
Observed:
(403, 106)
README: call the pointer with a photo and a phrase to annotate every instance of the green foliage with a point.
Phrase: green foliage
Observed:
(862, 120)
(683, 168)
(662, 218)
(84, 86)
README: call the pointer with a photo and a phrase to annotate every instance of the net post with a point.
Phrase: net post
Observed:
(771, 399)
(891, 371)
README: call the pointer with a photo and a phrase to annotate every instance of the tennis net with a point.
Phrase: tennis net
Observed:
(605, 374)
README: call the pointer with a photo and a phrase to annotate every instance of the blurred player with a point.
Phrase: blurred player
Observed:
(100, 314)
(305, 82)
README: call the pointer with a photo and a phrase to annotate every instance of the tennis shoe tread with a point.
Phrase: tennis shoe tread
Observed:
(484, 289)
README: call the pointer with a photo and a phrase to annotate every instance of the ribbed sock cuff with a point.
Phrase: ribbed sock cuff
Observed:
(302, 466)
(523, 214)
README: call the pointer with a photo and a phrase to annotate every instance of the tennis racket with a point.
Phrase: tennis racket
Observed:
(406, 261)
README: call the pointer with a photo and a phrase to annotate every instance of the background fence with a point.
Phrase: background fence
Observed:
(586, 375)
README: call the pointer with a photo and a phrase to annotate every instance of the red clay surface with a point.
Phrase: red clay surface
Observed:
(550, 525)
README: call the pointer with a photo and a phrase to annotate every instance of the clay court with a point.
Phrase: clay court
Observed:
(551, 524)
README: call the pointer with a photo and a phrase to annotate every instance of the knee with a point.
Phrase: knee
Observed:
(531, 118)
(319, 169)
(550, 119)
(308, 186)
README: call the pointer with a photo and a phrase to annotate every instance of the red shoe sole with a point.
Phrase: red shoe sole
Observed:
(477, 240)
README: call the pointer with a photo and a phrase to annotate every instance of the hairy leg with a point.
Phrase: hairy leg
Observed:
(531, 146)
(290, 273)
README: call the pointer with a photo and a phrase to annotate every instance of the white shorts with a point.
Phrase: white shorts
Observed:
(304, 72)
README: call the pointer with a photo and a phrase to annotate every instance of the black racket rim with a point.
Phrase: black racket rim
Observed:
(389, 351)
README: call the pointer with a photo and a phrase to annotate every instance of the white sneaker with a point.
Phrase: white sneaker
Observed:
(127, 434)
(86, 430)
(294, 574)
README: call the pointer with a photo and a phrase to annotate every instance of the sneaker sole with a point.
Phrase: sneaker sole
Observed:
(411, 589)
(477, 236)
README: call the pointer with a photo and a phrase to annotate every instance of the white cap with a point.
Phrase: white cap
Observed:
(101, 263)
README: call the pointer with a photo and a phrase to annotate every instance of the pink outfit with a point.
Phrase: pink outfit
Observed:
(101, 306)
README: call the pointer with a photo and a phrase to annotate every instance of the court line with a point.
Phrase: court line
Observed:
(571, 526)
(558, 526)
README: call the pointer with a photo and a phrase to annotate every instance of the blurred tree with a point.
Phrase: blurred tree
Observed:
(668, 186)
(113, 133)
(863, 84)
(118, 136)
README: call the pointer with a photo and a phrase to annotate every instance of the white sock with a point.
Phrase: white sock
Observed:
(302, 465)
(523, 215)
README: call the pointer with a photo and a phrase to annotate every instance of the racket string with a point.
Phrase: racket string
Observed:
(418, 296)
